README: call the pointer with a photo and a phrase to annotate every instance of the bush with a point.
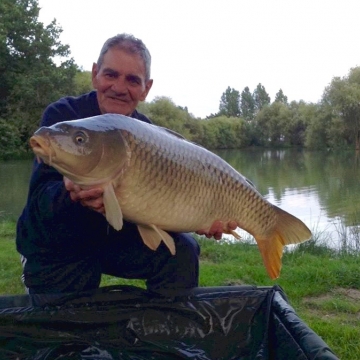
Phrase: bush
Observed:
(9, 140)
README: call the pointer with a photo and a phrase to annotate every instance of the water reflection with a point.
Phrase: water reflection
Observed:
(321, 188)
(14, 182)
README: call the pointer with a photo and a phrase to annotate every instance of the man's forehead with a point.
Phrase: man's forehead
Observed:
(118, 59)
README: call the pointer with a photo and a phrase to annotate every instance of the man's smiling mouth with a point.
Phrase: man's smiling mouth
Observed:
(118, 99)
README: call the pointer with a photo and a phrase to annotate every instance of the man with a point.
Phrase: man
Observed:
(62, 235)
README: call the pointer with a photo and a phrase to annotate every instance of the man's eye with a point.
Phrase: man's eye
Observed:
(134, 80)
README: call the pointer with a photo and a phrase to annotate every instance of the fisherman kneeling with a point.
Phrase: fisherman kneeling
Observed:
(64, 240)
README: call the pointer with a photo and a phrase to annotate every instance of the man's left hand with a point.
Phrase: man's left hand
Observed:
(217, 229)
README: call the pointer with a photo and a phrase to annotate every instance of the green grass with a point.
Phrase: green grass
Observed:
(323, 285)
(10, 268)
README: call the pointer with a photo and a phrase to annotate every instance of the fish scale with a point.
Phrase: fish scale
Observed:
(219, 176)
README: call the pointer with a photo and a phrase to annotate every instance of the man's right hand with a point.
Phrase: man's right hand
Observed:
(91, 198)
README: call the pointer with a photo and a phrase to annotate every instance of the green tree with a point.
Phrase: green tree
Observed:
(343, 95)
(224, 132)
(272, 123)
(29, 74)
(229, 103)
(144, 108)
(316, 133)
(9, 140)
(163, 112)
(280, 97)
(82, 82)
(300, 115)
(209, 134)
(247, 106)
(231, 134)
(261, 97)
(327, 130)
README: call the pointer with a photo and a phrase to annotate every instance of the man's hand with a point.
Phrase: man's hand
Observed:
(217, 229)
(91, 198)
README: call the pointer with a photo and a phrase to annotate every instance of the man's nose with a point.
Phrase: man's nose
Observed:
(119, 85)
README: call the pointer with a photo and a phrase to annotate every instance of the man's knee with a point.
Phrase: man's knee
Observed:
(185, 243)
(179, 271)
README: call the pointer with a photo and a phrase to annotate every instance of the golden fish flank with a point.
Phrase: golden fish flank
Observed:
(158, 180)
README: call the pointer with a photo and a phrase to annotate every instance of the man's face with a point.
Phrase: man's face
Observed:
(120, 82)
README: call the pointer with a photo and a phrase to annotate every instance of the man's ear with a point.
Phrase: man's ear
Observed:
(148, 86)
(94, 72)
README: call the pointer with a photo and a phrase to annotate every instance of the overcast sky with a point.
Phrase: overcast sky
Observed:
(200, 47)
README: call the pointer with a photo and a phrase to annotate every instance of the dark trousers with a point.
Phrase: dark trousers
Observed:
(122, 254)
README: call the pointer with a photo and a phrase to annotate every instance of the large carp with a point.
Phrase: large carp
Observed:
(155, 178)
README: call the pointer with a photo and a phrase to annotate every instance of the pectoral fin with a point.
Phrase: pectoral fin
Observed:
(152, 237)
(113, 211)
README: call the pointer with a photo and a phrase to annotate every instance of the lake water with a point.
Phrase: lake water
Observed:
(320, 188)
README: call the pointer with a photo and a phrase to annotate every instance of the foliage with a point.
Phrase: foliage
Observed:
(280, 97)
(301, 114)
(343, 94)
(34, 66)
(36, 69)
(163, 112)
(325, 129)
(82, 82)
(9, 140)
(272, 122)
(224, 133)
(261, 97)
(230, 103)
(247, 106)
(220, 131)
(263, 123)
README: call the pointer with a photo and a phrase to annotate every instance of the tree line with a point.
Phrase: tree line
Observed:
(251, 119)
(36, 69)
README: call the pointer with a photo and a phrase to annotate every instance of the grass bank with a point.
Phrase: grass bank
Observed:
(322, 284)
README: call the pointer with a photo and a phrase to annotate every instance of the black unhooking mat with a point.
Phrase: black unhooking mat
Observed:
(237, 322)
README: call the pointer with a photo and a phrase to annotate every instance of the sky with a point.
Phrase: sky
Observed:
(200, 47)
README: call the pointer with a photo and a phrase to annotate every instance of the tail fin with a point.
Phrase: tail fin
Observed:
(288, 230)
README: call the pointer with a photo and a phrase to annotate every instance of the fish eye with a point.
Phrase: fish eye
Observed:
(80, 138)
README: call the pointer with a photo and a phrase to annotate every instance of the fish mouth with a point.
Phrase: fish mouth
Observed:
(42, 149)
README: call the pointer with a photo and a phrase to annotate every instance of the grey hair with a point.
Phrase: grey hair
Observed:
(130, 44)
